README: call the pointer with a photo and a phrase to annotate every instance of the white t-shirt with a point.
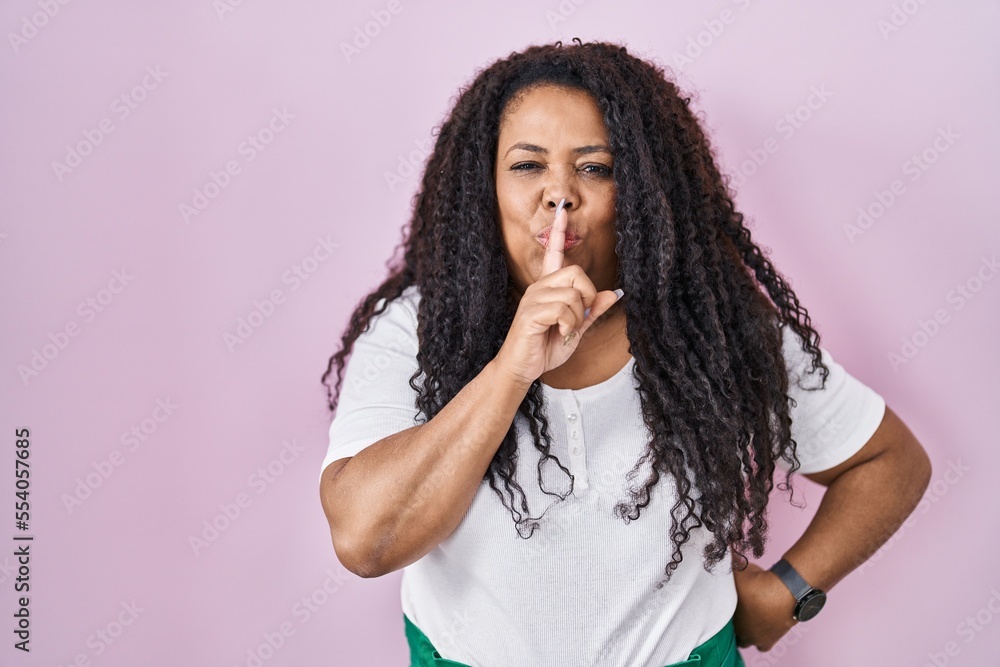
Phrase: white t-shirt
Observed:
(580, 590)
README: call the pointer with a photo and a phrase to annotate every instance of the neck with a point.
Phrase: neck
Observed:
(605, 328)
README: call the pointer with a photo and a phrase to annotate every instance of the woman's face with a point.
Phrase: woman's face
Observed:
(553, 144)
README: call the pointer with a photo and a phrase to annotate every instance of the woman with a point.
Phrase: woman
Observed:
(578, 321)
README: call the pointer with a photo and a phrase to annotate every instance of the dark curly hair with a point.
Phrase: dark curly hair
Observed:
(707, 341)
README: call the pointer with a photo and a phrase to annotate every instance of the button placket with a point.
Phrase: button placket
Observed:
(576, 442)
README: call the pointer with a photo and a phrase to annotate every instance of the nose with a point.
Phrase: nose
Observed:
(553, 203)
(561, 183)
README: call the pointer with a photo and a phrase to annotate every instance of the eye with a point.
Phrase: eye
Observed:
(592, 169)
(599, 169)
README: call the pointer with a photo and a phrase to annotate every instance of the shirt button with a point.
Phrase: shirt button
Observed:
(571, 417)
(574, 434)
(576, 450)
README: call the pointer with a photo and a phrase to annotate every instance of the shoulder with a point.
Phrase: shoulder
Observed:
(798, 360)
(402, 308)
(396, 325)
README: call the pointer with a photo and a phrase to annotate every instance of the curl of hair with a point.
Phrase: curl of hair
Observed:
(704, 317)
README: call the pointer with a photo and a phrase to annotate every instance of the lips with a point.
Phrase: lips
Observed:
(572, 239)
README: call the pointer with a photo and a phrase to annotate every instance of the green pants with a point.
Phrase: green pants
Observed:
(718, 651)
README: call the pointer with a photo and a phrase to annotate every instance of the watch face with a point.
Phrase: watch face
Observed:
(810, 605)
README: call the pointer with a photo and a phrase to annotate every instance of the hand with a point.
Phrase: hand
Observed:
(764, 608)
(551, 317)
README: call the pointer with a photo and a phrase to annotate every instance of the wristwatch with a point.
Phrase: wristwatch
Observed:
(808, 600)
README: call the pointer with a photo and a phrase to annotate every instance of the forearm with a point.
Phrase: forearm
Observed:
(400, 497)
(859, 512)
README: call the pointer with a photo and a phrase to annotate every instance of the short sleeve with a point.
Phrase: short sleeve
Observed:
(376, 399)
(831, 424)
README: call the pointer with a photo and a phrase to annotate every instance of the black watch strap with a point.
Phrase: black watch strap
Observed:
(788, 574)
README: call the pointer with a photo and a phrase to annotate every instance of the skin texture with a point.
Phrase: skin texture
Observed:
(867, 498)
(530, 184)
(552, 147)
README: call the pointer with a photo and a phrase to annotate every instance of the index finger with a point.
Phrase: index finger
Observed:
(554, 249)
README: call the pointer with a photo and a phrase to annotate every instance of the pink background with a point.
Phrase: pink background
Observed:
(161, 332)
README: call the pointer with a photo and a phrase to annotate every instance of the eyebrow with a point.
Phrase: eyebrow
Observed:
(582, 150)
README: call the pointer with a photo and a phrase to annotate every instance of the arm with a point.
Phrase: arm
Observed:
(400, 497)
(403, 495)
(868, 497)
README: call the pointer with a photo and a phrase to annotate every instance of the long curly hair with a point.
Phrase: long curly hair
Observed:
(706, 339)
